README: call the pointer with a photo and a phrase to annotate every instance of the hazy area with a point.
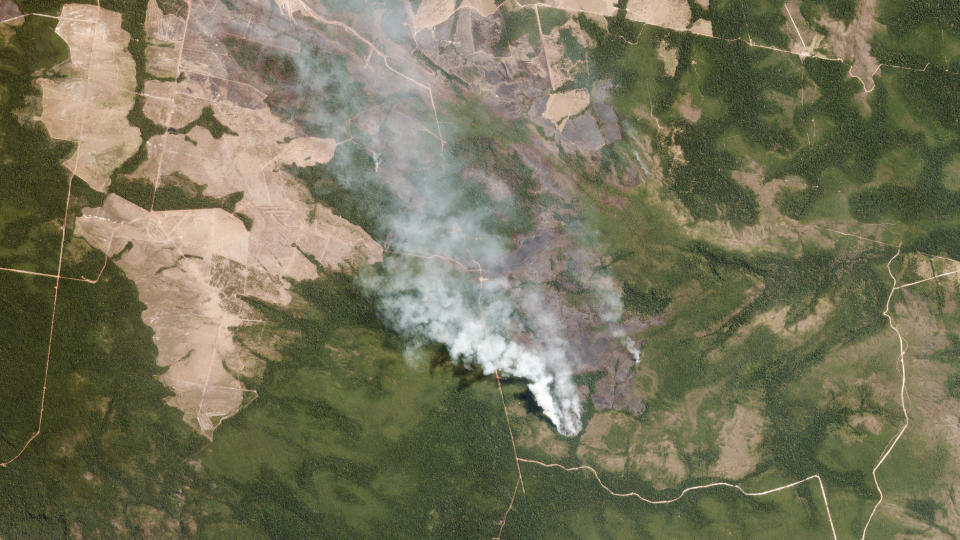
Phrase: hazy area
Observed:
(373, 268)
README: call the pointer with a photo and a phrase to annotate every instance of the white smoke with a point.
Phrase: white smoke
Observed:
(432, 286)
(609, 305)
(432, 300)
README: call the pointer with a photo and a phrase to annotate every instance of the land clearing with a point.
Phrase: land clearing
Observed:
(672, 14)
(563, 65)
(852, 42)
(563, 105)
(606, 440)
(668, 55)
(431, 13)
(193, 266)
(739, 442)
(89, 100)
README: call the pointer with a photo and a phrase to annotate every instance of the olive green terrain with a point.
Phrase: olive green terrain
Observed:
(880, 157)
(349, 438)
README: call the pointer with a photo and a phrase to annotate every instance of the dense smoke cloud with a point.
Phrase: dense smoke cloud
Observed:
(437, 283)
(433, 301)
(435, 287)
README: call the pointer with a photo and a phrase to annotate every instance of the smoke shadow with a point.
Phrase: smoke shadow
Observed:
(466, 375)
(530, 406)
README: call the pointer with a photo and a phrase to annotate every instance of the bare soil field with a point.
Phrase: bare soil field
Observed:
(192, 266)
(89, 101)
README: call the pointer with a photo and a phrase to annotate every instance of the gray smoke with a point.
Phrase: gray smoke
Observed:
(436, 286)
(437, 283)
(432, 301)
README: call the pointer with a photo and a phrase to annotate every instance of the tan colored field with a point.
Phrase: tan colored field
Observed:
(667, 55)
(176, 260)
(687, 109)
(433, 12)
(562, 68)
(739, 440)
(673, 14)
(852, 42)
(192, 266)
(615, 441)
(565, 105)
(532, 433)
(606, 8)
(166, 32)
(848, 42)
(89, 101)
(702, 27)
(660, 463)
(594, 448)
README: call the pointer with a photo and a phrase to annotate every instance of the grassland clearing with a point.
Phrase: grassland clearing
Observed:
(101, 73)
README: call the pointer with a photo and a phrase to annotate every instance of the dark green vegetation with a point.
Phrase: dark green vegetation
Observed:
(854, 157)
(709, 298)
(133, 14)
(735, 81)
(33, 185)
(99, 420)
(561, 504)
(349, 439)
(326, 447)
(853, 150)
(572, 48)
(644, 302)
(425, 454)
(110, 453)
(885, 156)
(207, 121)
(485, 144)
(175, 192)
(924, 463)
(917, 33)
(842, 10)
(174, 7)
(551, 18)
(349, 186)
(518, 23)
(49, 7)
(758, 21)
(711, 294)
(252, 57)
(388, 447)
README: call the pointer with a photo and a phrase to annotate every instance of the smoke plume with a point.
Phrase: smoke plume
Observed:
(446, 276)
(433, 302)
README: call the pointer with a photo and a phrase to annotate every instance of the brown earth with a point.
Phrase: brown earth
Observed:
(192, 266)
(563, 105)
(673, 14)
(687, 109)
(562, 68)
(852, 43)
(430, 13)
(668, 55)
(739, 441)
(88, 102)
